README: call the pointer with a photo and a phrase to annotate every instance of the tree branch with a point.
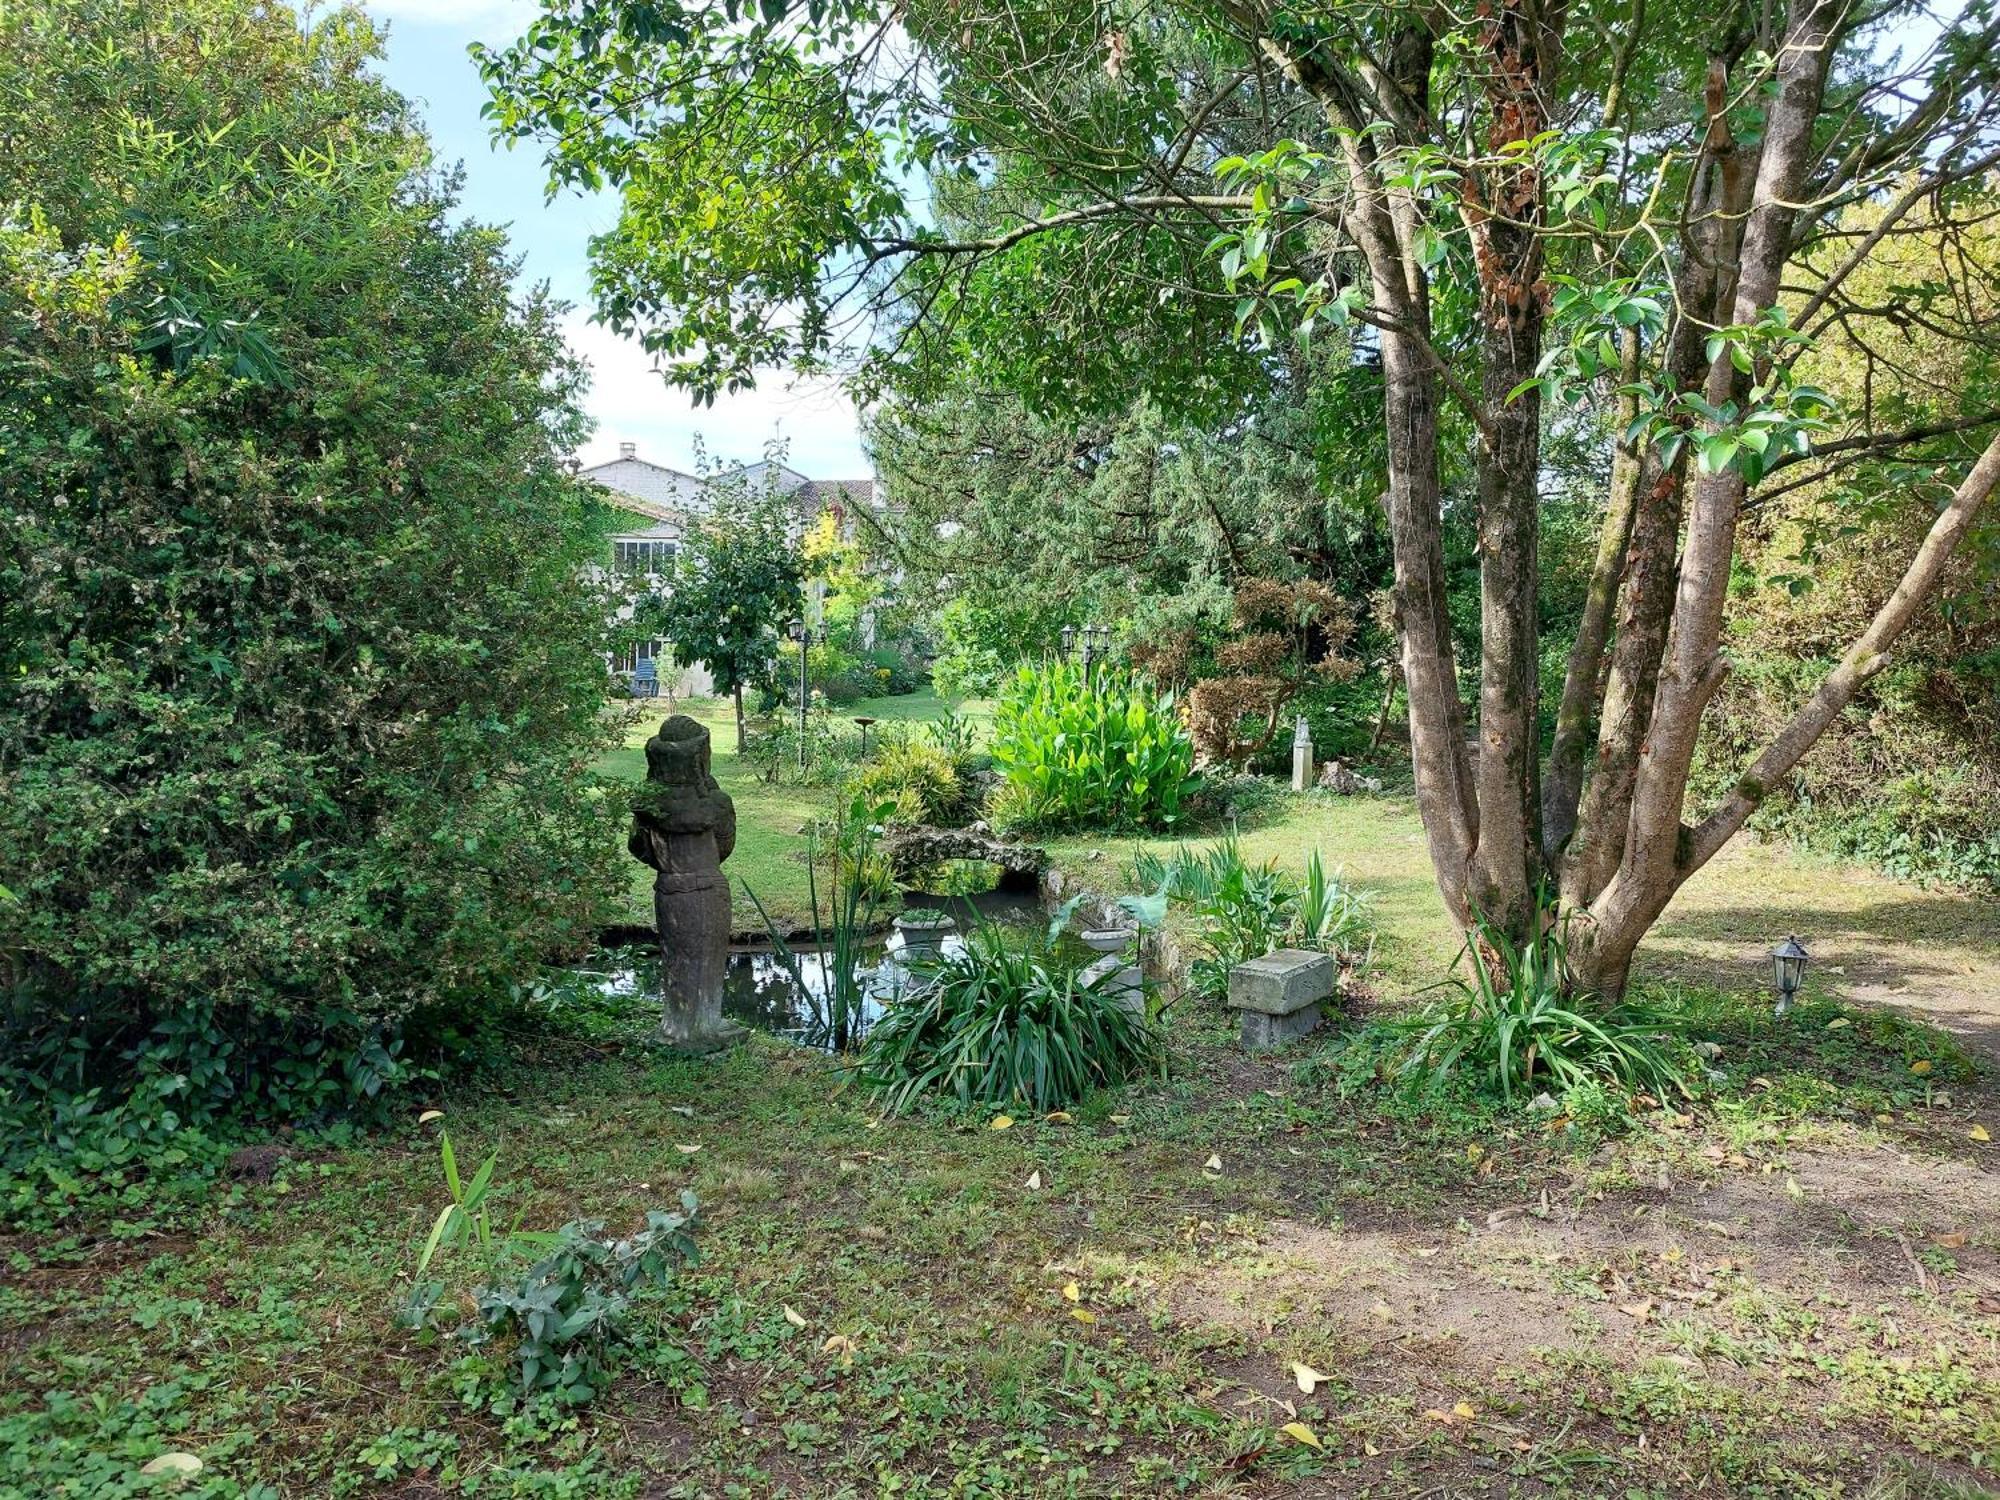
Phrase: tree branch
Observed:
(1867, 656)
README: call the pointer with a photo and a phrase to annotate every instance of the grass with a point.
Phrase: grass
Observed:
(1777, 1294)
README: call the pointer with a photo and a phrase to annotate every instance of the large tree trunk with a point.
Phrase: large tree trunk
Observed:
(1596, 836)
(742, 733)
(1503, 209)
(1655, 859)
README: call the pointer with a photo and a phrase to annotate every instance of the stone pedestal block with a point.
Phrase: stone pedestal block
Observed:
(1127, 983)
(1279, 995)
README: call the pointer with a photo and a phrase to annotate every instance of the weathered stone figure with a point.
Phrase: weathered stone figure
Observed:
(684, 827)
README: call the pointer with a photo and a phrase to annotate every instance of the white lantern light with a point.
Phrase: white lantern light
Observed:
(1788, 965)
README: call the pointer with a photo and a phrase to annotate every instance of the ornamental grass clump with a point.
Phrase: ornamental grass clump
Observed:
(1005, 1024)
(1517, 1027)
(1081, 748)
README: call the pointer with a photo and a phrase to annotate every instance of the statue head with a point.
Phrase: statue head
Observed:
(679, 754)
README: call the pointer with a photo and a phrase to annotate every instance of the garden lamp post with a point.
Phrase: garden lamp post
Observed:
(1068, 641)
(801, 632)
(1788, 965)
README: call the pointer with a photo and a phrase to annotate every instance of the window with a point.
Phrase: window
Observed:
(642, 556)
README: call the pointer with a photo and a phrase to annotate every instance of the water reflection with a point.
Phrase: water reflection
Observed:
(760, 990)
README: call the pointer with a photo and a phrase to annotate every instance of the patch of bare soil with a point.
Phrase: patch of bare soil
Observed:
(1780, 1277)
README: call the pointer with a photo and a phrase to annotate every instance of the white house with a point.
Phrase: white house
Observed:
(659, 503)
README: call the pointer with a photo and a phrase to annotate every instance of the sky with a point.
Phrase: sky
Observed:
(427, 62)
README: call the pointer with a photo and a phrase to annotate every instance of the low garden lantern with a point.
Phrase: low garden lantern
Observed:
(1788, 964)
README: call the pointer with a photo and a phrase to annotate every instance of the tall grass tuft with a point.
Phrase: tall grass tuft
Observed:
(1004, 1023)
(1515, 1027)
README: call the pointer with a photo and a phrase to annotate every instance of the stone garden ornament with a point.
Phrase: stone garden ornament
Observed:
(684, 827)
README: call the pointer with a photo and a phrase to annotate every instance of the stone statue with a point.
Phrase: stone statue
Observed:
(684, 827)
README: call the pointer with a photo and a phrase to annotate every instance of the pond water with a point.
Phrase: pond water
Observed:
(761, 991)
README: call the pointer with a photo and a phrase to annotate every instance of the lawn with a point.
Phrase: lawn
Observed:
(1791, 1290)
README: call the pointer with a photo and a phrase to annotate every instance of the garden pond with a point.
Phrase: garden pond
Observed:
(762, 991)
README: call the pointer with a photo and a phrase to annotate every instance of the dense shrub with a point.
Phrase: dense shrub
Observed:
(1082, 748)
(925, 783)
(1004, 1022)
(1910, 782)
(299, 684)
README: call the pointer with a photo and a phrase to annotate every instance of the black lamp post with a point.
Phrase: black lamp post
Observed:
(801, 632)
(1788, 967)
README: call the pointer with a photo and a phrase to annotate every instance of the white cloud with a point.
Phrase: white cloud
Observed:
(632, 403)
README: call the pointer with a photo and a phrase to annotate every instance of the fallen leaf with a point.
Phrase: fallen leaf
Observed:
(1436, 1415)
(871, 1124)
(1002, 1122)
(1952, 1241)
(1034, 1182)
(1083, 1315)
(1213, 1164)
(841, 1344)
(1792, 1188)
(1058, 1117)
(1370, 1449)
(1885, 1119)
(1980, 1133)
(685, 1150)
(1464, 1411)
(682, 1109)
(1072, 1292)
(1298, 1432)
(1637, 1311)
(173, 1463)
(793, 1317)
(1921, 1066)
(423, 1119)
(1308, 1378)
(1119, 1119)
(1839, 1025)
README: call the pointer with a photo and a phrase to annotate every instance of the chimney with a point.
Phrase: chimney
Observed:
(628, 450)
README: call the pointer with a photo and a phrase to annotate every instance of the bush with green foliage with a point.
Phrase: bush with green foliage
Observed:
(559, 1319)
(923, 783)
(559, 1316)
(300, 682)
(1005, 1022)
(1089, 748)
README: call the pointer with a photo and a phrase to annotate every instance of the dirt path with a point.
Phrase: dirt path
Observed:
(1932, 953)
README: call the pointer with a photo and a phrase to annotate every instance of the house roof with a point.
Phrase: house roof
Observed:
(660, 493)
(827, 490)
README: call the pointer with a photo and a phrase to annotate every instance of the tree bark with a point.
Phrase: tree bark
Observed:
(1562, 785)
(1656, 857)
(1503, 209)
(742, 737)
(1645, 608)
